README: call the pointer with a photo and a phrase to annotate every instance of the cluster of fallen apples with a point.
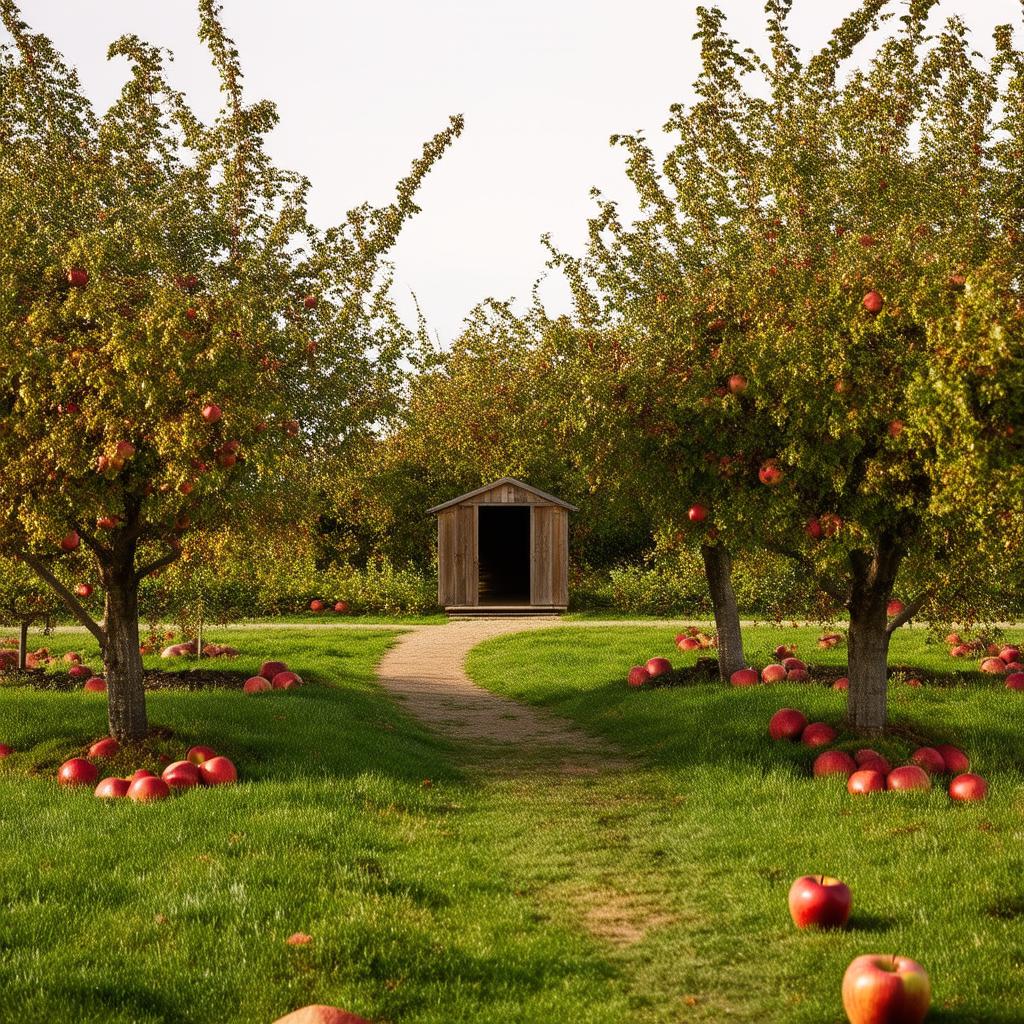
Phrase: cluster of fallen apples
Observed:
(867, 771)
(995, 660)
(273, 675)
(877, 988)
(201, 767)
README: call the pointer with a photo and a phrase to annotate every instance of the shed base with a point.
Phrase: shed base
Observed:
(504, 610)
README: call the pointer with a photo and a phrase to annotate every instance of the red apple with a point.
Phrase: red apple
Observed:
(772, 674)
(218, 771)
(798, 675)
(310, 302)
(341, 607)
(865, 780)
(819, 901)
(895, 428)
(106, 747)
(256, 684)
(658, 667)
(873, 302)
(915, 683)
(744, 677)
(112, 788)
(5, 751)
(785, 651)
(770, 472)
(80, 672)
(212, 412)
(181, 775)
(786, 724)
(831, 523)
(687, 643)
(320, 1014)
(1010, 654)
(909, 776)
(77, 772)
(97, 684)
(83, 590)
(78, 277)
(269, 669)
(842, 683)
(697, 514)
(124, 450)
(894, 607)
(814, 529)
(1015, 681)
(961, 651)
(199, 754)
(638, 675)
(70, 541)
(968, 787)
(148, 790)
(876, 764)
(865, 754)
(993, 666)
(929, 759)
(737, 383)
(833, 762)
(316, 606)
(955, 759)
(107, 522)
(882, 989)
(791, 663)
(142, 773)
(818, 734)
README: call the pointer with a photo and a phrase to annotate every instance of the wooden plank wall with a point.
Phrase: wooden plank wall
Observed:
(550, 556)
(457, 571)
(507, 494)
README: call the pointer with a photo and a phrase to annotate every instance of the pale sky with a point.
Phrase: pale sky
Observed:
(542, 84)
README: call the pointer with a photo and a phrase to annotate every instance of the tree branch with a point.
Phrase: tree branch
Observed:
(834, 590)
(152, 567)
(909, 612)
(74, 605)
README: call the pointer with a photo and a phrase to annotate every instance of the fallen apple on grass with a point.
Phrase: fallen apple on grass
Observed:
(148, 789)
(5, 751)
(968, 787)
(842, 683)
(218, 771)
(866, 780)
(1009, 654)
(819, 901)
(106, 747)
(929, 759)
(773, 674)
(818, 734)
(95, 685)
(882, 989)
(289, 680)
(787, 724)
(269, 669)
(79, 671)
(993, 666)
(320, 1014)
(956, 760)
(833, 762)
(687, 643)
(256, 684)
(77, 772)
(744, 677)
(798, 675)
(1015, 681)
(199, 754)
(316, 606)
(638, 675)
(656, 667)
(142, 773)
(112, 788)
(908, 777)
(181, 775)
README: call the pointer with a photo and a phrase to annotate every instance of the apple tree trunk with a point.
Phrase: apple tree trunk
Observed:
(23, 644)
(871, 584)
(718, 568)
(122, 662)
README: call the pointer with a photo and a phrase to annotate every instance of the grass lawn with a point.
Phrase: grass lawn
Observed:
(941, 883)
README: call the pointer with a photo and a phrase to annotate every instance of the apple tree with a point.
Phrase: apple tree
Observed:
(26, 600)
(180, 348)
(826, 273)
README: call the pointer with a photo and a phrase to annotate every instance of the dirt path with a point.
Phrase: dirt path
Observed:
(425, 672)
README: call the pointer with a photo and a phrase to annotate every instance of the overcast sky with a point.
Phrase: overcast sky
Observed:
(542, 83)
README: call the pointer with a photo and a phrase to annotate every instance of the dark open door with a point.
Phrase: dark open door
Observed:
(504, 554)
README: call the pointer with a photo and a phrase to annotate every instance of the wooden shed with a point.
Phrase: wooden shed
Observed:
(503, 548)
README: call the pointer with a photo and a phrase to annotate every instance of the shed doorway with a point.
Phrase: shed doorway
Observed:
(504, 554)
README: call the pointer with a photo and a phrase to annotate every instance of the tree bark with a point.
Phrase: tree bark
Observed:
(122, 662)
(872, 577)
(23, 644)
(718, 568)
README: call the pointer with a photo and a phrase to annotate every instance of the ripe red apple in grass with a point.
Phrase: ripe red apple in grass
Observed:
(181, 775)
(770, 473)
(5, 751)
(818, 734)
(798, 675)
(792, 662)
(773, 674)
(744, 677)
(842, 683)
(819, 901)
(882, 989)
(1010, 654)
(638, 675)
(697, 514)
(269, 669)
(876, 764)
(787, 724)
(70, 541)
(97, 684)
(77, 772)
(968, 787)
(833, 762)
(142, 773)
(960, 651)
(687, 643)
(865, 780)
(341, 607)
(658, 667)
(106, 747)
(929, 759)
(873, 302)
(318, 1013)
(256, 684)
(80, 672)
(1015, 681)
(148, 789)
(785, 651)
(218, 771)
(78, 277)
(287, 680)
(199, 754)
(956, 760)
(112, 788)
(212, 412)
(907, 777)
(83, 590)
(993, 666)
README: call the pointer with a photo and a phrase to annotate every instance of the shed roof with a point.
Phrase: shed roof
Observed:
(499, 483)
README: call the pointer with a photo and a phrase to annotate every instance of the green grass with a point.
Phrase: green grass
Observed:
(937, 882)
(511, 890)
